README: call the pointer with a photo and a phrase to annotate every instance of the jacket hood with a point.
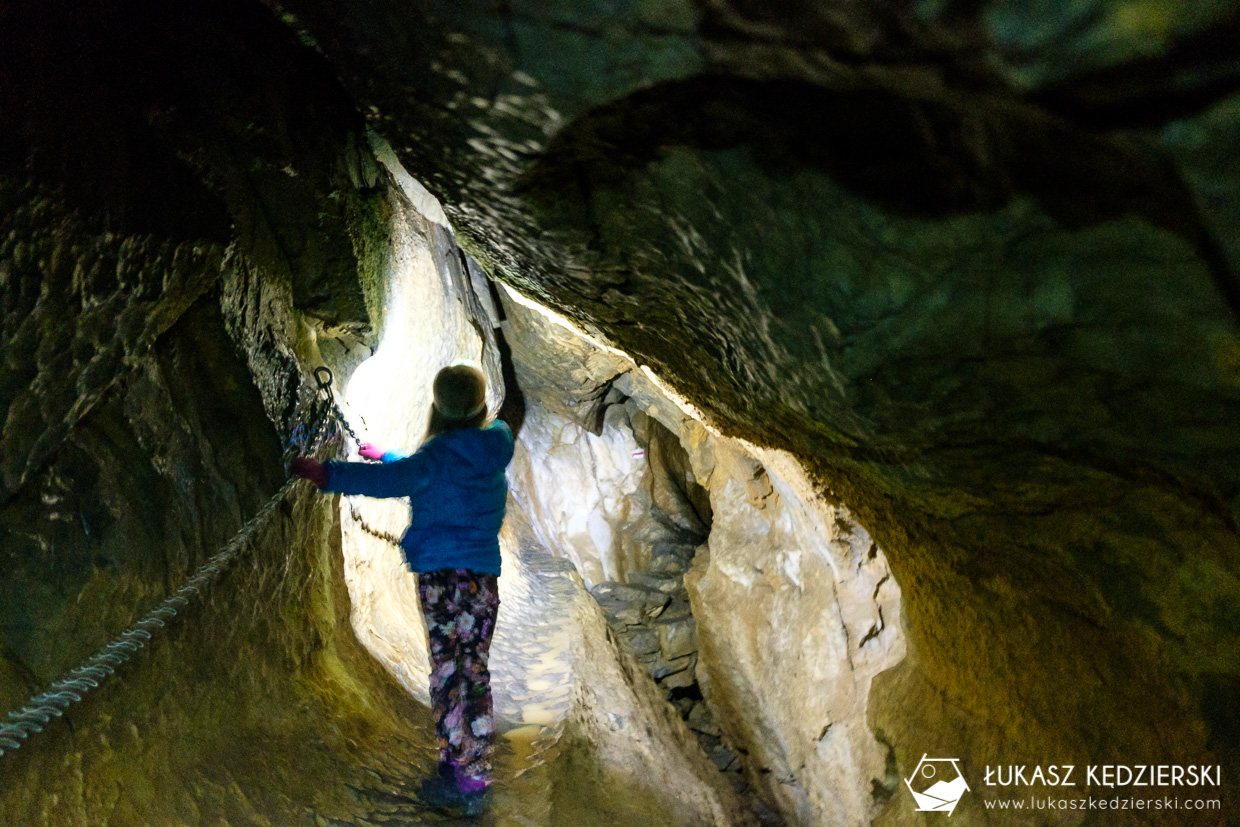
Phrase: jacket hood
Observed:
(484, 449)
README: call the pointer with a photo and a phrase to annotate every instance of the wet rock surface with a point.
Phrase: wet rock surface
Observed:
(972, 265)
(650, 617)
(954, 256)
(158, 477)
(169, 241)
(762, 630)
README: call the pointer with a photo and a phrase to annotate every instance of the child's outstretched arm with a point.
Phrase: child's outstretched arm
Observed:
(391, 479)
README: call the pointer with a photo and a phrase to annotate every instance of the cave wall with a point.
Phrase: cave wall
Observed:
(187, 200)
(793, 607)
(155, 479)
(972, 264)
(618, 753)
(592, 502)
(965, 260)
(584, 480)
(797, 613)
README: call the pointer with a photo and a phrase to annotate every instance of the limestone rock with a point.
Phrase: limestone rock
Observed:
(677, 608)
(664, 583)
(700, 720)
(722, 757)
(771, 563)
(642, 641)
(662, 667)
(678, 680)
(677, 638)
(674, 488)
(667, 564)
(624, 612)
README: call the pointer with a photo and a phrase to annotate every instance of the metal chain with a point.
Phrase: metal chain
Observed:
(325, 386)
(53, 701)
(371, 530)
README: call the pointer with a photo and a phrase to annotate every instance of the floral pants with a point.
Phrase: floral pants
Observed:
(460, 607)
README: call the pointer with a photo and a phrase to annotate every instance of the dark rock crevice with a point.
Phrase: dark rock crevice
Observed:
(931, 157)
(1180, 83)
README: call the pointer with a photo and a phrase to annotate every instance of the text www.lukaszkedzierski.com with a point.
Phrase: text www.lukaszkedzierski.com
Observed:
(1090, 803)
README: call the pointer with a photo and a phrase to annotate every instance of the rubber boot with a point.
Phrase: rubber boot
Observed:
(475, 794)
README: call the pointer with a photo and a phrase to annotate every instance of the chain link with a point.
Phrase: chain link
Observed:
(371, 530)
(325, 387)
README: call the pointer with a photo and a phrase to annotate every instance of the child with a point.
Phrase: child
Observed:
(457, 495)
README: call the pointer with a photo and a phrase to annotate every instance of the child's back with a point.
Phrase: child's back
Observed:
(457, 495)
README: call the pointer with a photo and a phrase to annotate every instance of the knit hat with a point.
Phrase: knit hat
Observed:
(460, 391)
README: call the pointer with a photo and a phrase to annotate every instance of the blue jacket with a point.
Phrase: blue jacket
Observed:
(457, 495)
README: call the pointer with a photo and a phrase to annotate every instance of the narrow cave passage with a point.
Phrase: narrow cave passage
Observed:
(880, 370)
(176, 376)
(605, 515)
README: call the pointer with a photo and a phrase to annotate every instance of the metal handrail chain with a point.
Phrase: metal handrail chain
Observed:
(61, 694)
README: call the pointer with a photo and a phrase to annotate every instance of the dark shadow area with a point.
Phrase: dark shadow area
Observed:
(928, 158)
(186, 120)
(1181, 81)
(512, 410)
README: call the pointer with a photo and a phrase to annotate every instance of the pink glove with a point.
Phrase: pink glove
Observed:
(310, 469)
(369, 451)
